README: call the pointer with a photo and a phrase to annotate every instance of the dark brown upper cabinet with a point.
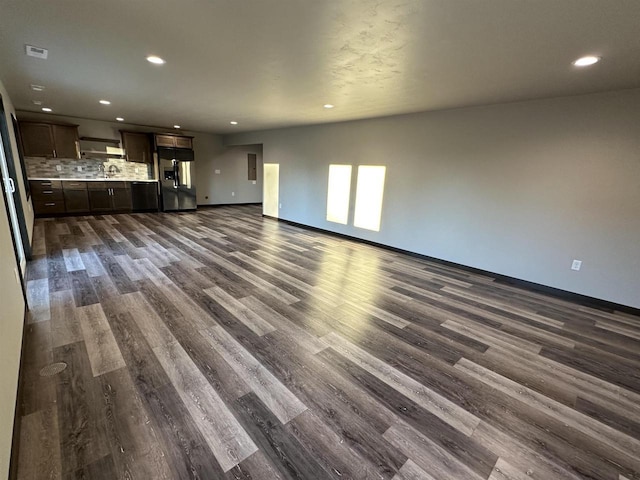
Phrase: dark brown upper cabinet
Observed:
(41, 139)
(137, 147)
(173, 141)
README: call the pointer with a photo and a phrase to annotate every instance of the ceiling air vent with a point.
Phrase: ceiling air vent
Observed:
(37, 52)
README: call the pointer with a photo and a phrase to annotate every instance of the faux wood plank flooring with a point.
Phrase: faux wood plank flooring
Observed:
(221, 345)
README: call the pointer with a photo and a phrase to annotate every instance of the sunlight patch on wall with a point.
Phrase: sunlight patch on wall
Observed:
(369, 193)
(338, 193)
(271, 193)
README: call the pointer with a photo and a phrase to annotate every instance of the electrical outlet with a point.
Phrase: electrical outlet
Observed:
(137, 170)
(576, 265)
(17, 274)
(79, 168)
(233, 194)
(59, 168)
(280, 205)
(254, 182)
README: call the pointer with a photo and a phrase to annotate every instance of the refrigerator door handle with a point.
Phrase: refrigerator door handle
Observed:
(176, 177)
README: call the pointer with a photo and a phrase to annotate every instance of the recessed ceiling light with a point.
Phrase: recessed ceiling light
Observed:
(46, 109)
(120, 119)
(105, 102)
(37, 88)
(233, 122)
(37, 102)
(156, 60)
(586, 61)
(176, 126)
(327, 105)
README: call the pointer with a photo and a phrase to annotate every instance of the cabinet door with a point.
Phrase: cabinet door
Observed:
(100, 200)
(121, 199)
(76, 201)
(184, 142)
(66, 141)
(137, 147)
(37, 139)
(165, 141)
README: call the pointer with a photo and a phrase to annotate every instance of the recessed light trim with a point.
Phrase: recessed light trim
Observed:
(586, 61)
(47, 109)
(155, 60)
(233, 122)
(105, 102)
(328, 105)
(37, 102)
(176, 126)
(37, 88)
(120, 119)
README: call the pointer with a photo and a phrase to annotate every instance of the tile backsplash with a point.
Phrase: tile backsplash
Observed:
(38, 167)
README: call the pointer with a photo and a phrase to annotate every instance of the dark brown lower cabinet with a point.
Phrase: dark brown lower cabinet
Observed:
(76, 197)
(110, 197)
(57, 197)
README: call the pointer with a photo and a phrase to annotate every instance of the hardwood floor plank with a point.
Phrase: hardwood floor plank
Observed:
(65, 326)
(436, 404)
(247, 316)
(73, 260)
(40, 446)
(603, 435)
(433, 459)
(102, 348)
(81, 420)
(284, 405)
(225, 436)
(38, 300)
(186, 450)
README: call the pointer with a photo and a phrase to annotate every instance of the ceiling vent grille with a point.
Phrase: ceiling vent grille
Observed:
(37, 52)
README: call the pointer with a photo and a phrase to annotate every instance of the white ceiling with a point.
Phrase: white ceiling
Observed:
(272, 63)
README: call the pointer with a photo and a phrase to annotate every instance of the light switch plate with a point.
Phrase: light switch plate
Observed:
(576, 265)
(59, 168)
(79, 168)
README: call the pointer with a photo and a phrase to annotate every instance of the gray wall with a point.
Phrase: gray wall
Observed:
(12, 311)
(518, 189)
(231, 185)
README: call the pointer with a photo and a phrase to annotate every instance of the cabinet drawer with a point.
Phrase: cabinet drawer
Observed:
(97, 185)
(47, 195)
(70, 185)
(48, 207)
(44, 184)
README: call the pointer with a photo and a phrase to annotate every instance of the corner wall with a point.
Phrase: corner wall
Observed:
(12, 310)
(517, 189)
(223, 177)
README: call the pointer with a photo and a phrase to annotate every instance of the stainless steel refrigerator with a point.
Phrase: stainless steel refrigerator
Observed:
(177, 175)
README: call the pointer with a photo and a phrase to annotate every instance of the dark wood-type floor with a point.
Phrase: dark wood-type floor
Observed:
(219, 344)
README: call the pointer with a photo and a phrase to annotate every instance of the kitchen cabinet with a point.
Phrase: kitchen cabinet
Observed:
(109, 196)
(137, 147)
(173, 141)
(76, 197)
(47, 197)
(41, 139)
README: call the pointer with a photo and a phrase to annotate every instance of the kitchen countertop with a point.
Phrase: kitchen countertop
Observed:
(92, 179)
